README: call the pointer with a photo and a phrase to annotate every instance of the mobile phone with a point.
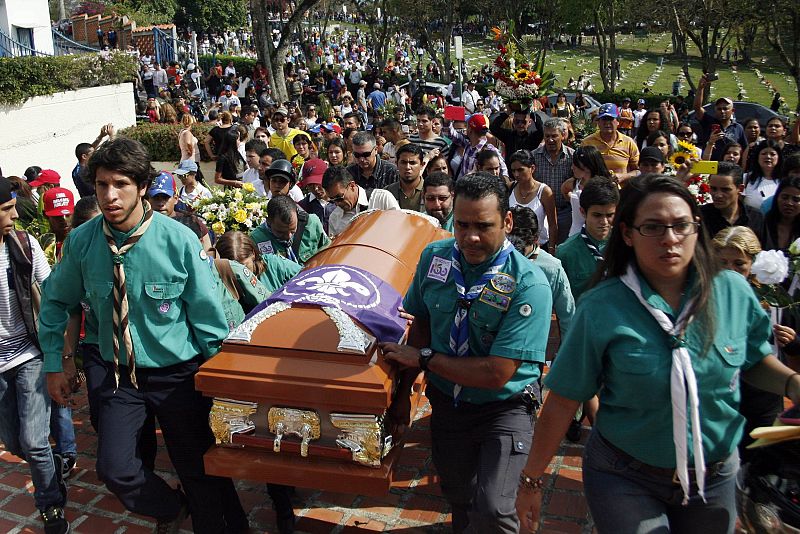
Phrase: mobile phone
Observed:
(712, 76)
(705, 167)
(791, 416)
(716, 127)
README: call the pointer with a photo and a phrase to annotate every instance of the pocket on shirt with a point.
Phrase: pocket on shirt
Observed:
(163, 297)
(732, 352)
(98, 296)
(636, 362)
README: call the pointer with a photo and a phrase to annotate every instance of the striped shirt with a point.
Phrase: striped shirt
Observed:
(15, 345)
(430, 144)
(620, 155)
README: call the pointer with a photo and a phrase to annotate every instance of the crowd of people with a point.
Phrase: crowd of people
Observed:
(137, 291)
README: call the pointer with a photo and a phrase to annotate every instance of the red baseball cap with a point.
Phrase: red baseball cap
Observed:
(58, 201)
(47, 176)
(313, 170)
(478, 121)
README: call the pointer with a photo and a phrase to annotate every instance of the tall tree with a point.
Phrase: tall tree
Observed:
(274, 57)
(782, 28)
(211, 14)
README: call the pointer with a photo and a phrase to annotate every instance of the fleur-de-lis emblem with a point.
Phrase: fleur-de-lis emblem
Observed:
(334, 283)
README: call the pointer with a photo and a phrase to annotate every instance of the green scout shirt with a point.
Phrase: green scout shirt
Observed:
(279, 271)
(312, 240)
(251, 293)
(616, 349)
(578, 262)
(448, 222)
(563, 302)
(174, 313)
(517, 328)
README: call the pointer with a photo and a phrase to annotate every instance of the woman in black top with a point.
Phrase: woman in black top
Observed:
(230, 163)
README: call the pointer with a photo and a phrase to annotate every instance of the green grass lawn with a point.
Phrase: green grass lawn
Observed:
(572, 62)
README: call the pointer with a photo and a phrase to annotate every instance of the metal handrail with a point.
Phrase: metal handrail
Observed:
(12, 48)
(64, 45)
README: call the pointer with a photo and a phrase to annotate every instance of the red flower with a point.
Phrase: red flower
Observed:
(528, 81)
(500, 62)
(496, 75)
(537, 81)
(503, 50)
(704, 188)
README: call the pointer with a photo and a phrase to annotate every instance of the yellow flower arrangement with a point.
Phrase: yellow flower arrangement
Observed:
(218, 228)
(232, 209)
(240, 216)
(250, 188)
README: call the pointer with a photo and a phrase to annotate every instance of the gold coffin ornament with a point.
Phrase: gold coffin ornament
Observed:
(302, 423)
(229, 417)
(365, 435)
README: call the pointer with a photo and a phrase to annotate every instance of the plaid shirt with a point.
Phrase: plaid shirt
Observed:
(553, 173)
(469, 160)
(383, 174)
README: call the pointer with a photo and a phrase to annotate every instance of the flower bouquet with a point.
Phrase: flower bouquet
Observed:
(697, 185)
(518, 78)
(232, 209)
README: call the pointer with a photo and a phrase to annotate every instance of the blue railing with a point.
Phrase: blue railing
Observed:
(164, 46)
(64, 45)
(12, 48)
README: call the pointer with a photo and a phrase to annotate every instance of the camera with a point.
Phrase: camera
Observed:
(712, 76)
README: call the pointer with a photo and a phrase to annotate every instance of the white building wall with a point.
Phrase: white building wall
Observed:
(34, 14)
(45, 130)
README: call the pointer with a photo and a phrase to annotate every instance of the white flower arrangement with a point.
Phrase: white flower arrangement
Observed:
(232, 209)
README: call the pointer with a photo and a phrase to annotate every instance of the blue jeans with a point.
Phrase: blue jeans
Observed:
(62, 430)
(624, 500)
(24, 428)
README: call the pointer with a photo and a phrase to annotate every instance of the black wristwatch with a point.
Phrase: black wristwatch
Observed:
(425, 356)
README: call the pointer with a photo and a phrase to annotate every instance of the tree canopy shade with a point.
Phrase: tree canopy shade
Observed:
(213, 15)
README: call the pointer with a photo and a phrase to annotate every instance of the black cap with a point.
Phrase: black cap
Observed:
(651, 152)
(7, 190)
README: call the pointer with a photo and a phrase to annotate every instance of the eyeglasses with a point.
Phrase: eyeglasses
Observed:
(337, 198)
(658, 230)
(363, 154)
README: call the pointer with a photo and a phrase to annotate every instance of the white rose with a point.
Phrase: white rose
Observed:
(770, 267)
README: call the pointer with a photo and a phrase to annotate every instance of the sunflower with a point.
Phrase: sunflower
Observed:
(685, 146)
(521, 75)
(679, 158)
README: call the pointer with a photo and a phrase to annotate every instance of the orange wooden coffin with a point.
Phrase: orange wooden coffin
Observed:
(289, 407)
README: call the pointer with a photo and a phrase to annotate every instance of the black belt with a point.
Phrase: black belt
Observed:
(712, 469)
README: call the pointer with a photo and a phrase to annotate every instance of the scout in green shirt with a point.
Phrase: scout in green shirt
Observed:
(663, 341)
(289, 232)
(271, 270)
(525, 238)
(482, 313)
(581, 253)
(437, 195)
(151, 287)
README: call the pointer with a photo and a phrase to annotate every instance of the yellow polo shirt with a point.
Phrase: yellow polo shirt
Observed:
(620, 156)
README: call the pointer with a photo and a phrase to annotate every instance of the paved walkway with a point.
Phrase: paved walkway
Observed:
(414, 505)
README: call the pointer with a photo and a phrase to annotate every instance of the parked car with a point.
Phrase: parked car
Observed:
(743, 111)
(590, 101)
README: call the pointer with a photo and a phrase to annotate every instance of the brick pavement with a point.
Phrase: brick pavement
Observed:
(414, 505)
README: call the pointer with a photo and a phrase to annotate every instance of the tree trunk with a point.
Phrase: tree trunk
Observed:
(612, 46)
(679, 44)
(602, 46)
(446, 35)
(791, 57)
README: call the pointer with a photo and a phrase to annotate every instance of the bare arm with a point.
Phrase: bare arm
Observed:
(698, 97)
(567, 186)
(772, 375)
(549, 203)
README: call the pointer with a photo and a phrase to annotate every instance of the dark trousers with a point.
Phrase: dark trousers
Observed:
(182, 414)
(479, 452)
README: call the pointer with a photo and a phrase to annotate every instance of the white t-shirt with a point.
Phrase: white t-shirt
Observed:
(755, 193)
(538, 208)
(295, 193)
(200, 191)
(15, 346)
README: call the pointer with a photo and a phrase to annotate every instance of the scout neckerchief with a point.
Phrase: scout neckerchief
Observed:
(285, 242)
(459, 332)
(598, 256)
(682, 381)
(121, 325)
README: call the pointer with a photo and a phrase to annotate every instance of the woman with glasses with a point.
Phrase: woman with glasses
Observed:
(665, 360)
(782, 221)
(762, 180)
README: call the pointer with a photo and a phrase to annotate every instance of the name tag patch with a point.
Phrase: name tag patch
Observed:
(439, 269)
(265, 247)
(495, 300)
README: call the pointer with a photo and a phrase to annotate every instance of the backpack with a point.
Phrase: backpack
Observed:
(191, 84)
